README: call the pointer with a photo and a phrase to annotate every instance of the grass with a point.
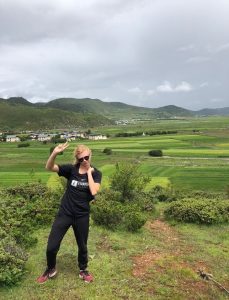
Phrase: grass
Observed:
(155, 263)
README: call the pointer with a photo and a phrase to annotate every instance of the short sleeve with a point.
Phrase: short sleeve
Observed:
(65, 170)
(97, 176)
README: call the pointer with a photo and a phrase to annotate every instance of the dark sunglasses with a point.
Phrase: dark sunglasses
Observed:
(83, 158)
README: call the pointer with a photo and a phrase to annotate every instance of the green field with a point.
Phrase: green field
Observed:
(162, 259)
(190, 161)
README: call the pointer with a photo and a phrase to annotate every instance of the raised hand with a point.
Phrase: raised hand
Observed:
(60, 148)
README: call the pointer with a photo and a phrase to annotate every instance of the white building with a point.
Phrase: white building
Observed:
(12, 138)
(97, 137)
(43, 137)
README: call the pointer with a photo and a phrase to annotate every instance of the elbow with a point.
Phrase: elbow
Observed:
(47, 168)
(94, 193)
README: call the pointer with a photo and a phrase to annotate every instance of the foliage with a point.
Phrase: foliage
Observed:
(12, 260)
(125, 204)
(163, 194)
(113, 214)
(156, 152)
(23, 145)
(108, 151)
(23, 209)
(128, 180)
(28, 191)
(202, 211)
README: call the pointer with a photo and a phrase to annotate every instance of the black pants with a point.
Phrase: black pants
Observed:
(60, 226)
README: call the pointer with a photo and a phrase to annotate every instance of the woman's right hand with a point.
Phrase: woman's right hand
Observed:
(60, 148)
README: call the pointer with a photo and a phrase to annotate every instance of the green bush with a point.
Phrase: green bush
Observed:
(28, 191)
(22, 209)
(155, 152)
(107, 151)
(128, 181)
(201, 211)
(162, 194)
(21, 145)
(116, 215)
(12, 261)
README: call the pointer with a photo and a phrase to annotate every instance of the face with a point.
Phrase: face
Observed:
(84, 158)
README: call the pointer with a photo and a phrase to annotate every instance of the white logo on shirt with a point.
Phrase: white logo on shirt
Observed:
(76, 183)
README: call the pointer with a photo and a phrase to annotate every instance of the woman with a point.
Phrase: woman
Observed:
(83, 183)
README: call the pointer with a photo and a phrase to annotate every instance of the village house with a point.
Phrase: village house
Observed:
(43, 137)
(96, 137)
(12, 138)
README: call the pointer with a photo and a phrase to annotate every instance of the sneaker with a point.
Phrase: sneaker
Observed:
(86, 276)
(46, 275)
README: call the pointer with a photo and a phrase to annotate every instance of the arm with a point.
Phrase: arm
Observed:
(50, 164)
(93, 186)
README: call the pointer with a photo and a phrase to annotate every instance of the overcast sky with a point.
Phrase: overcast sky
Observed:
(142, 52)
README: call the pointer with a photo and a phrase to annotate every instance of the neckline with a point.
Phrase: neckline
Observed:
(78, 170)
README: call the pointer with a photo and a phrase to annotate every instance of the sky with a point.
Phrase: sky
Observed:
(147, 53)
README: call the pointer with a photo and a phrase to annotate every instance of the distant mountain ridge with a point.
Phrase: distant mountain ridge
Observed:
(17, 112)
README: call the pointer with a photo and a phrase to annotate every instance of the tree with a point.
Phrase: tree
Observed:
(128, 180)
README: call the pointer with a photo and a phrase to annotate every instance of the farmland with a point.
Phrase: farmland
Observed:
(197, 160)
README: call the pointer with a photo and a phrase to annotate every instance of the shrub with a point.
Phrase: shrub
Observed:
(28, 191)
(202, 211)
(107, 151)
(22, 209)
(155, 153)
(164, 194)
(12, 261)
(21, 145)
(116, 215)
(128, 180)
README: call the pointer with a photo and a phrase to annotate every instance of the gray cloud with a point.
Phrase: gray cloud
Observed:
(141, 52)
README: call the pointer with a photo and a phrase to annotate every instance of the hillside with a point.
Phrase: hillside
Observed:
(18, 113)
(112, 110)
(17, 116)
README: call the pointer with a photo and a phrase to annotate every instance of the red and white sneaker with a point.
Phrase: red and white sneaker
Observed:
(86, 276)
(49, 273)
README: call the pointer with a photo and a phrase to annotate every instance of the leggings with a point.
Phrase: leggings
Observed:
(60, 226)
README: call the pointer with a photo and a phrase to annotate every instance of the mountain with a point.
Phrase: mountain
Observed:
(213, 112)
(18, 113)
(112, 110)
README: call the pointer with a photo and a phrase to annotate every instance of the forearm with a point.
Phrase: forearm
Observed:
(92, 185)
(51, 161)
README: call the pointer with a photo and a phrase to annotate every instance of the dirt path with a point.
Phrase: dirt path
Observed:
(171, 260)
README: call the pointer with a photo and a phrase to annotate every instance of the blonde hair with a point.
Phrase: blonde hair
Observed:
(79, 149)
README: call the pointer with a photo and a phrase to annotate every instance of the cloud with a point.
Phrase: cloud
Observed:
(204, 84)
(150, 92)
(167, 87)
(218, 49)
(115, 49)
(135, 90)
(197, 59)
(186, 48)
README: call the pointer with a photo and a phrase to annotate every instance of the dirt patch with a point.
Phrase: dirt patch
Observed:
(172, 259)
(143, 262)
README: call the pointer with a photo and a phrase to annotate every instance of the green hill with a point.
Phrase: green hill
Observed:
(17, 116)
(18, 113)
(117, 110)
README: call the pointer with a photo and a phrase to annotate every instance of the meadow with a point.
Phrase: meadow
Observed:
(190, 160)
(162, 259)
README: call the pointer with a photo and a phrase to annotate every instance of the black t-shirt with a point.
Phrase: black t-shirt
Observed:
(75, 201)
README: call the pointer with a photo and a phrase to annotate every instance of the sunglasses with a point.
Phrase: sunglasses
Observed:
(83, 158)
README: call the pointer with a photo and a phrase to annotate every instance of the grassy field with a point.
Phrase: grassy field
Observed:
(191, 161)
(159, 262)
